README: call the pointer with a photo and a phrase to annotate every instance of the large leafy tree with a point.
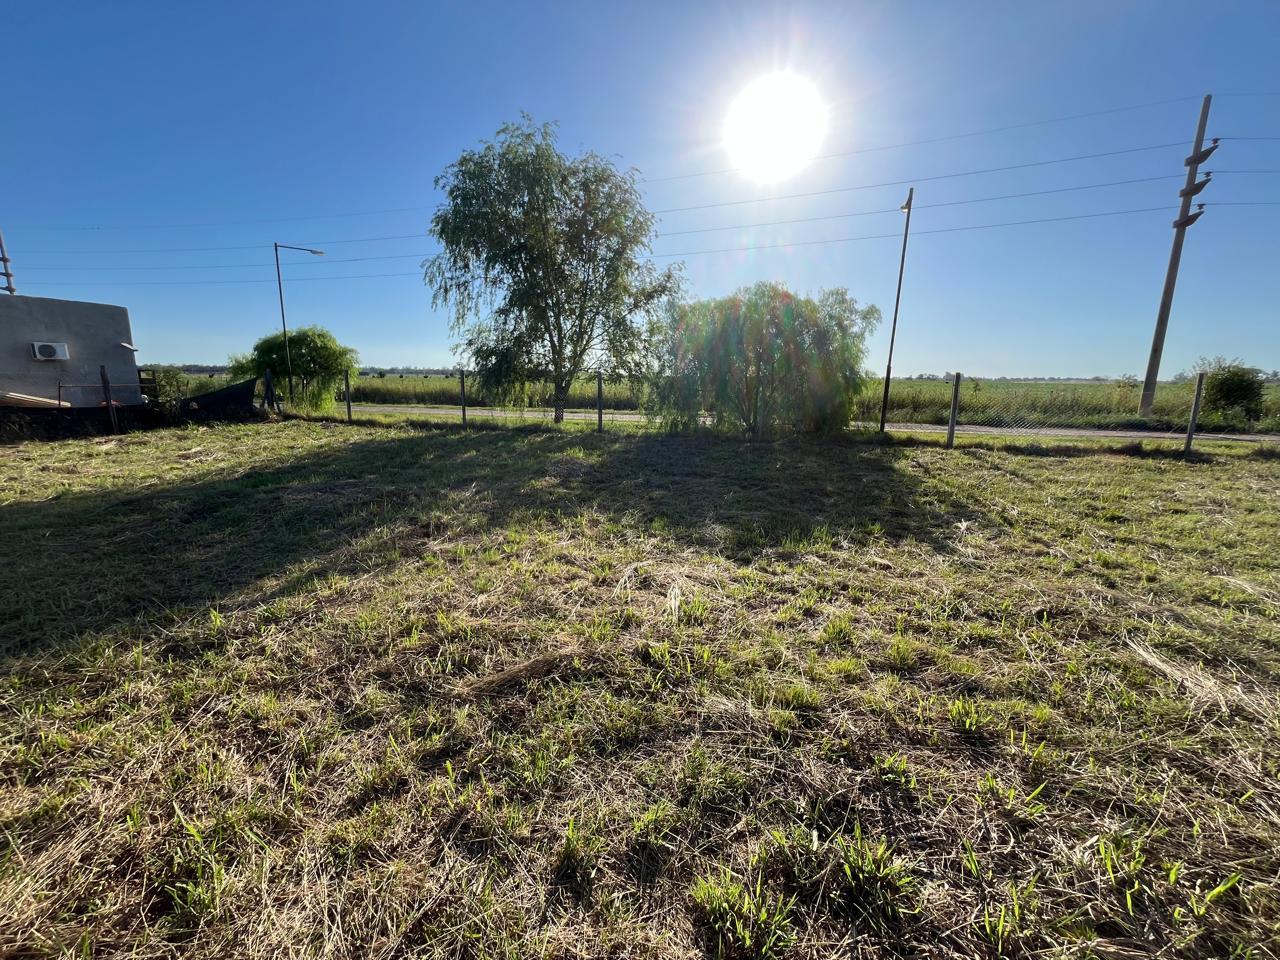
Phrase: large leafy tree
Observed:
(542, 261)
(317, 358)
(764, 360)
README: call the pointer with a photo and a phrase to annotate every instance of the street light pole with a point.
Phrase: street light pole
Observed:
(893, 332)
(284, 329)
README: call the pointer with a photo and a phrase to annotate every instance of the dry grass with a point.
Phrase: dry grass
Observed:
(307, 690)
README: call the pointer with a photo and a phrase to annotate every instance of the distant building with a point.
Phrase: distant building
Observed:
(52, 352)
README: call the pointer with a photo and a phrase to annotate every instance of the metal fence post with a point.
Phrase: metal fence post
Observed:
(1195, 415)
(462, 387)
(599, 401)
(106, 395)
(955, 410)
(346, 392)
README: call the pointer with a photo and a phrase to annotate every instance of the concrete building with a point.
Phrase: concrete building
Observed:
(56, 347)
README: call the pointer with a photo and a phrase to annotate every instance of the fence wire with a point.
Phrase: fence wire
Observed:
(1096, 408)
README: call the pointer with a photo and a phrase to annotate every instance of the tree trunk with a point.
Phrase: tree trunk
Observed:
(559, 399)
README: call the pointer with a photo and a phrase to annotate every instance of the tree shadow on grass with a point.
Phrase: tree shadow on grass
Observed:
(87, 562)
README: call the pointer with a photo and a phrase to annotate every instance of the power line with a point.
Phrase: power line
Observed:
(201, 283)
(913, 180)
(419, 236)
(364, 213)
(771, 223)
(687, 253)
(247, 246)
(882, 236)
(236, 223)
(953, 136)
(676, 233)
(920, 206)
(246, 266)
(757, 200)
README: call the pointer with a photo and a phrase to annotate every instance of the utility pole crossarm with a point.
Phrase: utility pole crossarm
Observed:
(1199, 154)
(5, 270)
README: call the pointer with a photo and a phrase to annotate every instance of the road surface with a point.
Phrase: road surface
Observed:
(627, 416)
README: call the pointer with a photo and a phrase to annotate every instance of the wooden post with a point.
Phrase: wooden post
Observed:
(106, 395)
(1195, 415)
(955, 410)
(599, 401)
(462, 387)
(346, 391)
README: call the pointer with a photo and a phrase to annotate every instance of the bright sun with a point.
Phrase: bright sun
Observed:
(775, 126)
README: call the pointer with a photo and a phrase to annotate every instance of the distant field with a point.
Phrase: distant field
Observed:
(312, 689)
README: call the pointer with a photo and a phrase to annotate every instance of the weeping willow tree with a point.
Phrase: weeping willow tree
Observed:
(764, 360)
(542, 262)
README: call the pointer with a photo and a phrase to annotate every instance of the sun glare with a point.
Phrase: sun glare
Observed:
(775, 126)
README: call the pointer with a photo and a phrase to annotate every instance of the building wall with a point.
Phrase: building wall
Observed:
(94, 334)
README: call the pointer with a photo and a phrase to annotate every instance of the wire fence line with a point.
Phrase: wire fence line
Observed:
(1097, 409)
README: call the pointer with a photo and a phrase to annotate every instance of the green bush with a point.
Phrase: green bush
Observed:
(1233, 387)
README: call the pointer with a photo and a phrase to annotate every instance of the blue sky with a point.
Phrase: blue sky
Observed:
(147, 126)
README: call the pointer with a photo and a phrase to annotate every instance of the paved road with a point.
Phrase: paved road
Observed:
(538, 413)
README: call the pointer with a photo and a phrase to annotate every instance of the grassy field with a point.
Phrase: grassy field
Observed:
(988, 402)
(309, 689)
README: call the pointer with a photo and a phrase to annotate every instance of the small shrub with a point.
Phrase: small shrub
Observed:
(1233, 387)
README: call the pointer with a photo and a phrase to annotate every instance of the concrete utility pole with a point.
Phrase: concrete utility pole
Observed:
(4, 269)
(1185, 219)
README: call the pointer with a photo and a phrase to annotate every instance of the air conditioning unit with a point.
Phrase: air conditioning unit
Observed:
(49, 351)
